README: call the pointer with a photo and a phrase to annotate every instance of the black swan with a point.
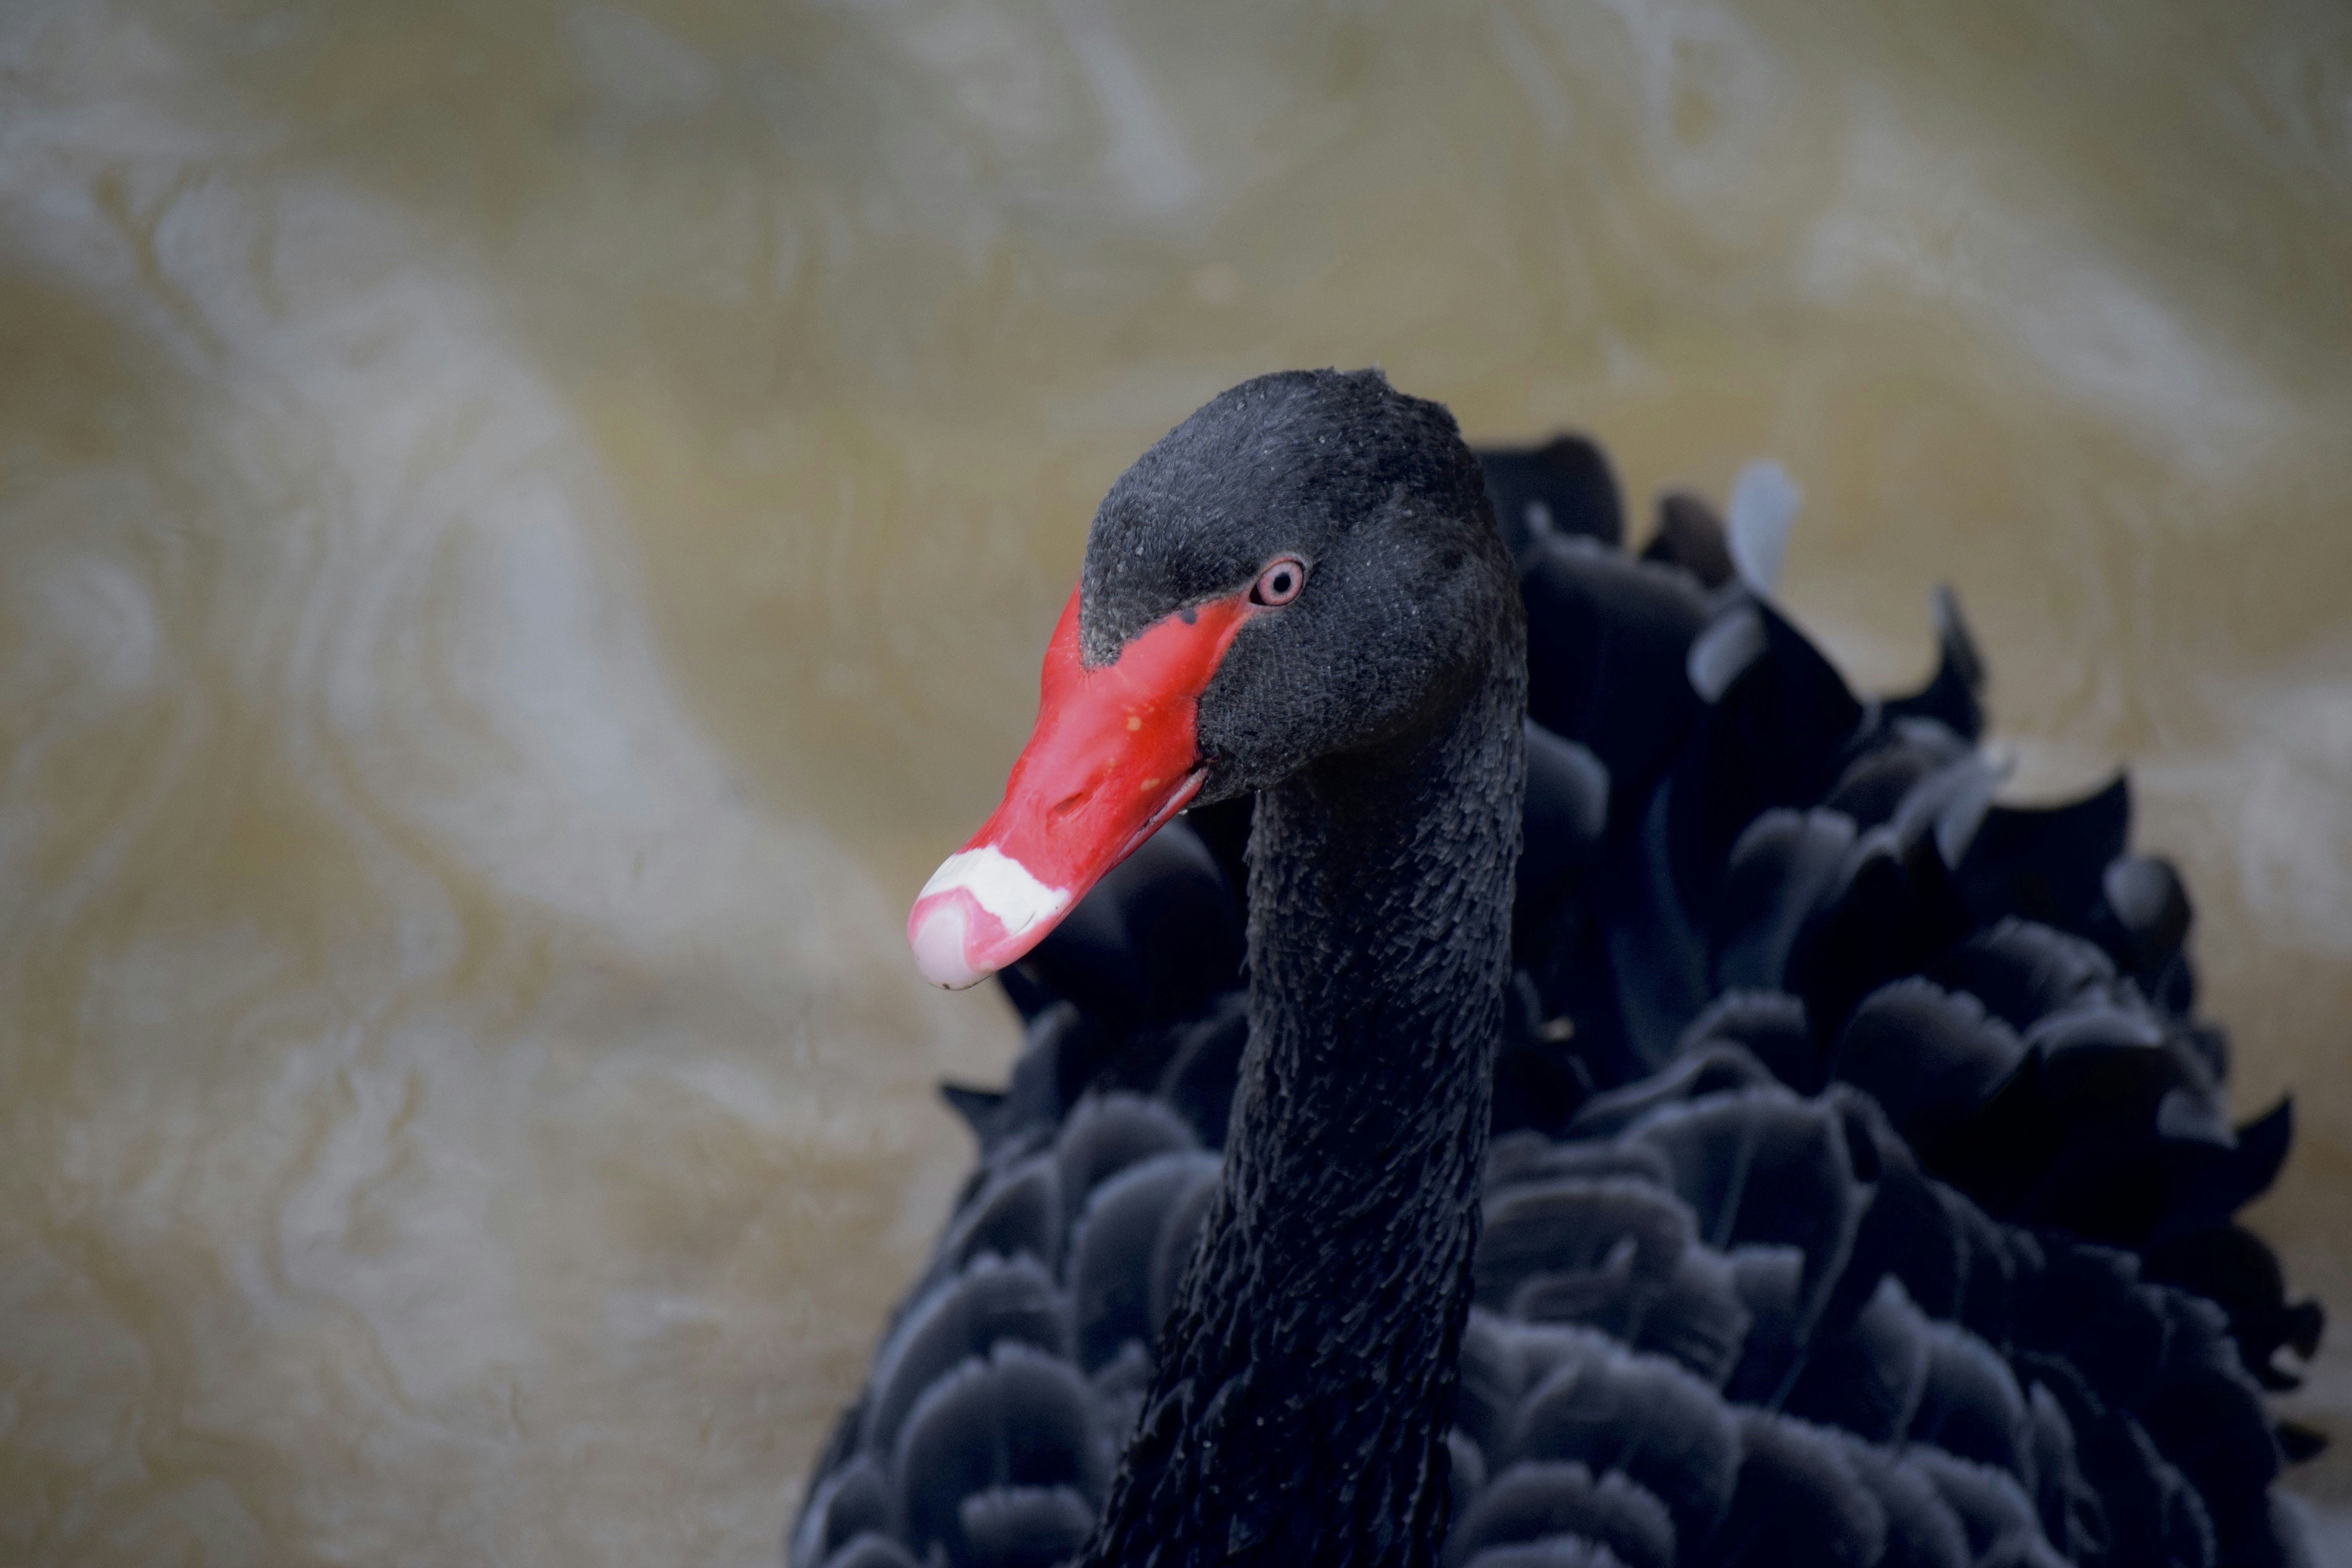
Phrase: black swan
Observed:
(1800, 1159)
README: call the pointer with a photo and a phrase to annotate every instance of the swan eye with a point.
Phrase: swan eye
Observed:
(1279, 583)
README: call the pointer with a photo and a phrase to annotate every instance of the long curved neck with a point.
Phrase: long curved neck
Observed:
(1306, 1376)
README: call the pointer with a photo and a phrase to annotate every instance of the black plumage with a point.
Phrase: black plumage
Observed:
(1859, 1193)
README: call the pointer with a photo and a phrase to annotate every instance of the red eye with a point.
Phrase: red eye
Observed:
(1279, 583)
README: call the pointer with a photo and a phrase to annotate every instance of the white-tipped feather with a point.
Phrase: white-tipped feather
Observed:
(1764, 503)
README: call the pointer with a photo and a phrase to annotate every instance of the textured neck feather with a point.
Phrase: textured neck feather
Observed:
(1306, 1376)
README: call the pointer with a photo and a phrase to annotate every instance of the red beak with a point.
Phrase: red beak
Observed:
(1113, 756)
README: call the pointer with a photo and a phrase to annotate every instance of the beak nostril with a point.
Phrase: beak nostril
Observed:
(1070, 804)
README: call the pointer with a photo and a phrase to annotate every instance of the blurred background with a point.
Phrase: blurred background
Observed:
(527, 529)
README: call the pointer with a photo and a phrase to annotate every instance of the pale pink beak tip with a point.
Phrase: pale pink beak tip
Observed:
(939, 940)
(980, 911)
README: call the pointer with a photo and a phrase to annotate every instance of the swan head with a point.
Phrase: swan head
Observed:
(1306, 568)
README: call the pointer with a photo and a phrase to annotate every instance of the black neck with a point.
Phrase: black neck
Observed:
(1306, 1376)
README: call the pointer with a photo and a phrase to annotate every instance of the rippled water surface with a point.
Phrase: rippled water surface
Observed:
(525, 529)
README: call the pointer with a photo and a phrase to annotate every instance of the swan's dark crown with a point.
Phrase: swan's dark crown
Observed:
(1378, 493)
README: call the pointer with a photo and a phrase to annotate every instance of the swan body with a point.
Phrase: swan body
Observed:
(1800, 1159)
